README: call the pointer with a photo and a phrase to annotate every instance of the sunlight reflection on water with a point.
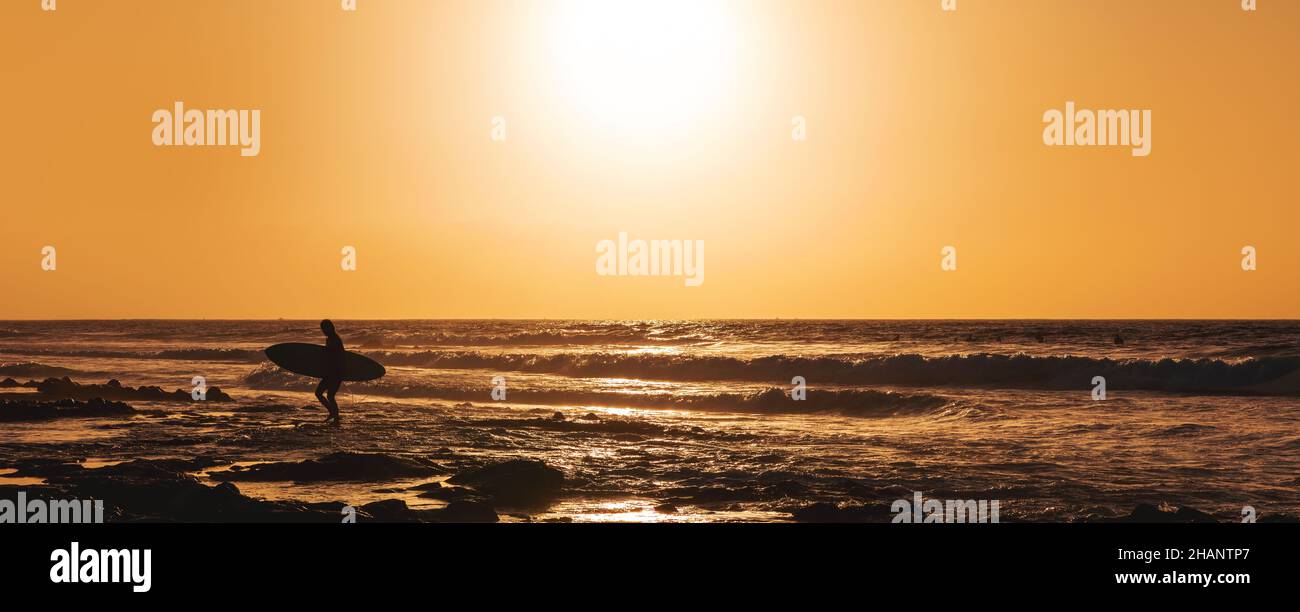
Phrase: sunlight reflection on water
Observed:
(18, 481)
(643, 511)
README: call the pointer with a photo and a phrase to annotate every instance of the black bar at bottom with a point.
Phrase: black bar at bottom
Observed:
(242, 560)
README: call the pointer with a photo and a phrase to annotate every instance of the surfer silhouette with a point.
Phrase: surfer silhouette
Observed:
(333, 379)
(331, 363)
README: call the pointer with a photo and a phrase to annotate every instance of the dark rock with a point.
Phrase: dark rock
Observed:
(458, 511)
(340, 466)
(39, 491)
(1187, 514)
(517, 481)
(159, 490)
(66, 388)
(44, 468)
(154, 467)
(467, 511)
(789, 488)
(824, 512)
(388, 510)
(1147, 513)
(666, 509)
(42, 410)
(1279, 518)
(165, 496)
(448, 493)
(1164, 513)
(228, 490)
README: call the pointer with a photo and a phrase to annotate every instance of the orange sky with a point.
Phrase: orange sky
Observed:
(667, 121)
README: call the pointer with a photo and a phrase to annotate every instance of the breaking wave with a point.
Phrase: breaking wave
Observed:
(848, 402)
(525, 339)
(33, 369)
(1263, 376)
(187, 354)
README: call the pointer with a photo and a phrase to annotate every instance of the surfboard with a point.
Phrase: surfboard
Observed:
(309, 360)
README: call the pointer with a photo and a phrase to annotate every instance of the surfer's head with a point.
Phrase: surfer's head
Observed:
(327, 326)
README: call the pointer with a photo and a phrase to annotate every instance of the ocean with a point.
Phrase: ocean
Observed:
(699, 421)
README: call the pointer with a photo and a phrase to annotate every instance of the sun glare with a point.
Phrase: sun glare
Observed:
(642, 67)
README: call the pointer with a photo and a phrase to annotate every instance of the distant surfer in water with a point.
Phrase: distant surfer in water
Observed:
(333, 379)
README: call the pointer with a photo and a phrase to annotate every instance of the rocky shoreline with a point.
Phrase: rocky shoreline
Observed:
(471, 487)
(66, 388)
(165, 490)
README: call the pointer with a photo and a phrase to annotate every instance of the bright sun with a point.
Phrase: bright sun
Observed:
(637, 68)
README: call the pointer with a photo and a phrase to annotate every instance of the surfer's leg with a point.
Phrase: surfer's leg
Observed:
(330, 391)
(320, 393)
